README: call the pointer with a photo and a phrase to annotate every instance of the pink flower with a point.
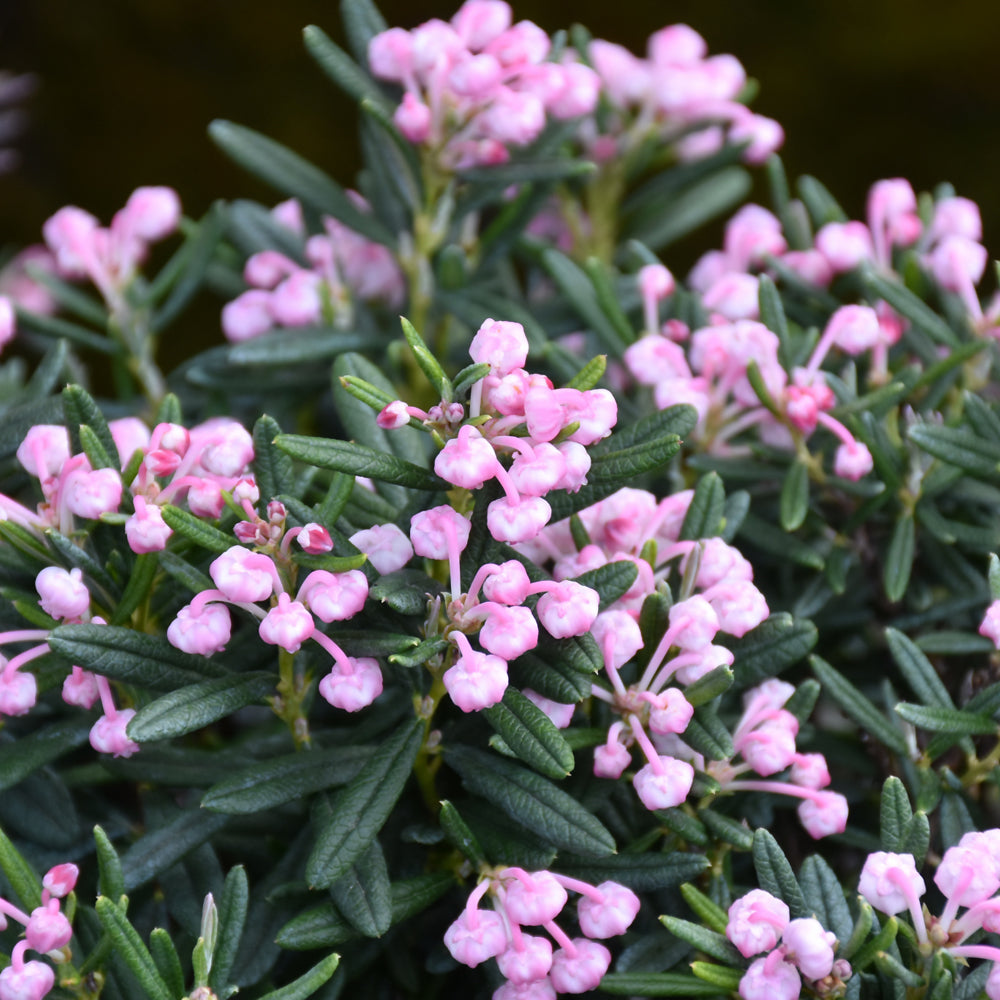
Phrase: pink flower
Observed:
(467, 460)
(48, 928)
(387, 547)
(809, 947)
(664, 785)
(204, 631)
(581, 969)
(475, 937)
(62, 593)
(608, 914)
(18, 691)
(80, 688)
(476, 680)
(145, 530)
(517, 522)
(108, 735)
(532, 899)
(508, 632)
(26, 981)
(531, 961)
(567, 609)
(334, 597)
(60, 880)
(352, 685)
(824, 814)
(433, 532)
(770, 978)
(990, 627)
(287, 625)
(756, 922)
(243, 575)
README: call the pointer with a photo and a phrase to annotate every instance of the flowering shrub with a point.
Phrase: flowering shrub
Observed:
(342, 655)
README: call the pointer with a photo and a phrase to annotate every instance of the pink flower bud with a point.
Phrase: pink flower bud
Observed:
(228, 448)
(626, 78)
(467, 460)
(354, 690)
(62, 593)
(740, 606)
(500, 344)
(508, 632)
(582, 971)
(596, 410)
(853, 461)
(476, 680)
(579, 93)
(536, 472)
(474, 939)
(91, 494)
(665, 786)
(145, 530)
(44, 450)
(47, 928)
(611, 759)
(610, 916)
(655, 282)
(475, 76)
(509, 583)
(80, 688)
(964, 878)
(537, 989)
(522, 43)
(153, 212)
(27, 981)
(390, 55)
(431, 530)
(205, 498)
(287, 625)
(763, 135)
(436, 46)
(18, 692)
(809, 770)
(956, 217)
(532, 961)
(854, 329)
(670, 712)
(617, 633)
(734, 296)
(756, 922)
(314, 539)
(517, 522)
(752, 235)
(676, 45)
(809, 947)
(810, 265)
(532, 899)
(60, 880)
(247, 316)
(243, 575)
(845, 244)
(204, 632)
(770, 980)
(108, 735)
(334, 597)
(70, 236)
(268, 268)
(568, 609)
(479, 22)
(413, 119)
(8, 324)
(297, 301)
(957, 262)
(824, 814)
(387, 547)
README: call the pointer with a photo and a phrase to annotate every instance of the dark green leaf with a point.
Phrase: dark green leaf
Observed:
(361, 808)
(19, 874)
(307, 985)
(795, 496)
(726, 829)
(153, 853)
(704, 514)
(38, 748)
(610, 581)
(899, 558)
(708, 911)
(772, 646)
(590, 374)
(895, 814)
(533, 801)
(363, 893)
(429, 365)
(959, 446)
(166, 959)
(918, 670)
(340, 68)
(110, 877)
(824, 896)
(92, 447)
(457, 831)
(530, 734)
(130, 949)
(710, 942)
(80, 408)
(272, 468)
(908, 306)
(232, 919)
(822, 205)
(137, 589)
(772, 312)
(953, 721)
(709, 686)
(206, 535)
(657, 984)
(775, 874)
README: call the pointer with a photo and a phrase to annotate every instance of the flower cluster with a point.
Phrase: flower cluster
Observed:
(343, 267)
(46, 930)
(527, 961)
(478, 85)
(968, 876)
(796, 950)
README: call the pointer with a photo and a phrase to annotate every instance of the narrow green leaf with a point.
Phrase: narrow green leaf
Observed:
(590, 374)
(19, 874)
(61, 329)
(307, 985)
(772, 311)
(203, 534)
(857, 706)
(712, 943)
(709, 912)
(769, 537)
(709, 686)
(94, 450)
(865, 955)
(265, 784)
(233, 905)
(608, 298)
(723, 976)
(153, 853)
(167, 961)
(362, 807)
(774, 873)
(908, 305)
(137, 589)
(899, 558)
(958, 446)
(340, 68)
(130, 948)
(647, 872)
(358, 460)
(709, 735)
(467, 377)
(822, 205)
(457, 831)
(429, 364)
(123, 655)
(772, 646)
(110, 877)
(362, 893)
(918, 670)
(80, 408)
(38, 748)
(532, 801)
(686, 827)
(704, 514)
(272, 468)
(727, 829)
(195, 706)
(895, 813)
(824, 896)
(953, 721)
(286, 171)
(610, 581)
(530, 734)
(657, 984)
(795, 496)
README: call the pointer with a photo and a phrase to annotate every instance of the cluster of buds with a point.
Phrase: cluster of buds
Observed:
(796, 950)
(111, 257)
(527, 961)
(968, 876)
(343, 266)
(709, 368)
(677, 88)
(512, 411)
(478, 85)
(63, 595)
(46, 930)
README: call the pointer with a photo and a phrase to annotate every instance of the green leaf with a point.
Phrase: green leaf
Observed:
(865, 955)
(307, 985)
(723, 976)
(704, 514)
(137, 589)
(94, 450)
(772, 539)
(608, 298)
(19, 874)
(358, 460)
(958, 446)
(80, 408)
(266, 784)
(709, 686)
(60, 329)
(899, 558)
(38, 748)
(610, 581)
(775, 874)
(420, 654)
(110, 877)
(707, 910)
(822, 205)
(590, 374)
(646, 872)
(340, 68)
(363, 894)
(457, 831)
(775, 644)
(918, 671)
(195, 706)
(657, 984)
(686, 827)
(712, 943)
(858, 707)
(123, 655)
(303, 346)
(824, 896)
(530, 734)
(772, 311)
(429, 364)
(153, 853)
(727, 829)
(795, 496)
(953, 721)
(167, 961)
(286, 171)
(130, 949)
(895, 813)
(709, 735)
(908, 305)
(233, 906)
(272, 468)
(532, 801)
(203, 534)
(360, 809)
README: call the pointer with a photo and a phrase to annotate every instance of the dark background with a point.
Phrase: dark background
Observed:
(865, 90)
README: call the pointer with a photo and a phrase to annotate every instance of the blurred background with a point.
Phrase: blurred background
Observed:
(125, 88)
